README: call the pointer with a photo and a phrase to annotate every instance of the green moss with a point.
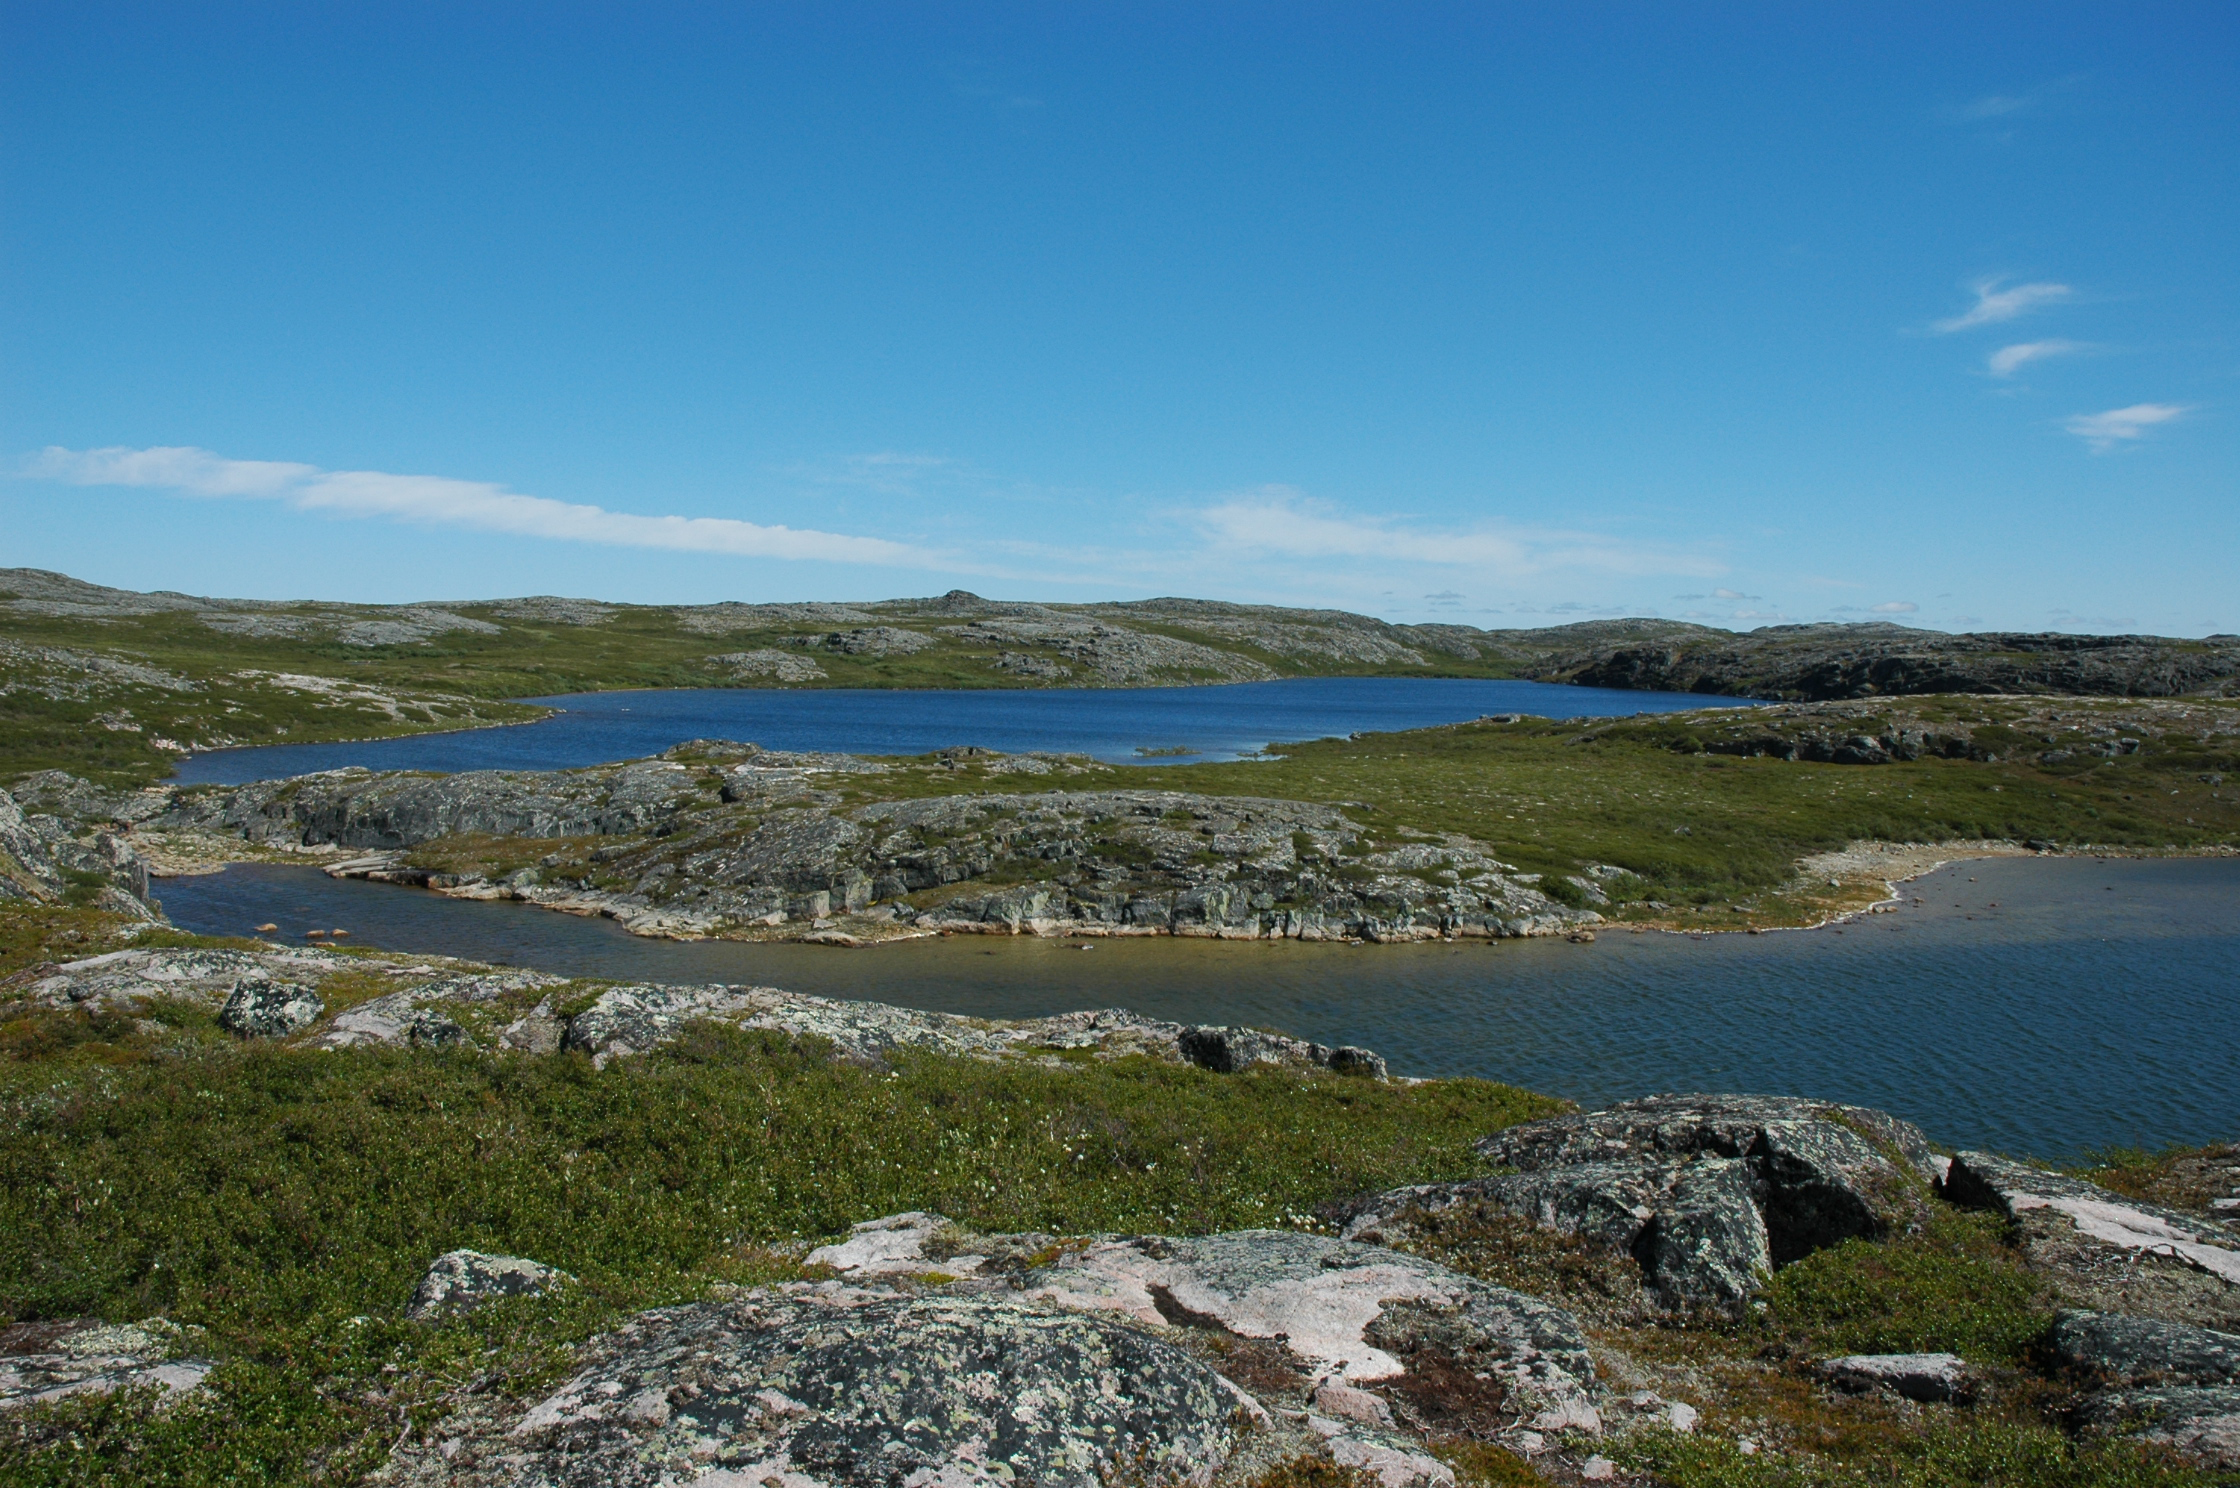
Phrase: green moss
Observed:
(1957, 1452)
(1956, 1287)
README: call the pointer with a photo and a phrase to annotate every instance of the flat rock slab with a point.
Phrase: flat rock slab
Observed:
(462, 1280)
(1926, 1377)
(2144, 1351)
(45, 1362)
(2203, 1423)
(2105, 1252)
(835, 1386)
(120, 980)
(1360, 1312)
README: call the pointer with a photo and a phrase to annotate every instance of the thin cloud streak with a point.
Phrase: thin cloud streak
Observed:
(1276, 520)
(442, 501)
(2008, 360)
(2105, 431)
(1994, 304)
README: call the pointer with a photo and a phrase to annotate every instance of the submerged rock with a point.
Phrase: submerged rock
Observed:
(462, 1280)
(851, 1388)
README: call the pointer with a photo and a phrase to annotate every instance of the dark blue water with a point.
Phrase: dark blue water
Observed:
(1110, 723)
(2040, 1006)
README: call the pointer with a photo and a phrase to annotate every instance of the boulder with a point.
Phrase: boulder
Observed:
(847, 1387)
(2202, 1423)
(1820, 1173)
(2143, 1351)
(259, 1007)
(1361, 1313)
(462, 1280)
(1691, 1225)
(1229, 1051)
(2104, 1252)
(1926, 1377)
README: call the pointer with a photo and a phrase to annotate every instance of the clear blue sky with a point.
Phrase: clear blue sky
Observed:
(1504, 314)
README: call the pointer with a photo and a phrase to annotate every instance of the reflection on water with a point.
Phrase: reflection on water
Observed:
(2039, 1006)
(1187, 723)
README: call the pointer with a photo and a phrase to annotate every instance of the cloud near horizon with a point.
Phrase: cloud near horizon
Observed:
(442, 501)
(2008, 360)
(1994, 304)
(1281, 521)
(2104, 431)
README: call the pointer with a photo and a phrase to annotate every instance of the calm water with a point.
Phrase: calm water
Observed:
(1109, 723)
(2038, 1006)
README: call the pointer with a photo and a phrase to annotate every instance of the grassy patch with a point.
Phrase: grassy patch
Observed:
(1955, 1287)
(1946, 1453)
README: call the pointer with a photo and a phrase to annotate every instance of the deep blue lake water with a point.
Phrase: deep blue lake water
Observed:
(2040, 1006)
(1110, 723)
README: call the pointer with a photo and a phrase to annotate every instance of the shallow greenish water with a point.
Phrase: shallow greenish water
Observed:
(2043, 1006)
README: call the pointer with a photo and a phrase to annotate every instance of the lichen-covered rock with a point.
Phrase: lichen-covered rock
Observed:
(259, 1007)
(2144, 1351)
(2105, 1252)
(48, 1361)
(121, 980)
(2201, 1422)
(1925, 1377)
(1228, 1051)
(844, 1387)
(462, 1280)
(1821, 1173)
(1692, 1225)
(893, 1245)
(1362, 1312)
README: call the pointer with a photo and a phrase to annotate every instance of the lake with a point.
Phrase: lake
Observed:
(1113, 724)
(2039, 1006)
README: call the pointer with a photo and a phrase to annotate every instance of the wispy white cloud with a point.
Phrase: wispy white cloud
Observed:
(2104, 431)
(1894, 607)
(1280, 521)
(2008, 360)
(435, 500)
(1996, 106)
(1994, 304)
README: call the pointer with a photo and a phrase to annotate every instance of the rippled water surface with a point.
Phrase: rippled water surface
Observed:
(2041, 1006)
(1211, 723)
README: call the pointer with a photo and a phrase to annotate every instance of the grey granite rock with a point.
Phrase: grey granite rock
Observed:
(42, 1362)
(845, 1387)
(2202, 1423)
(1924, 1377)
(1227, 1051)
(259, 1007)
(2144, 1351)
(462, 1280)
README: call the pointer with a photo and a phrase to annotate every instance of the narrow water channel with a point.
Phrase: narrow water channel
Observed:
(2039, 1006)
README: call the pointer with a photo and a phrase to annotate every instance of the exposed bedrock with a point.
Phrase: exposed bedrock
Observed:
(1708, 1193)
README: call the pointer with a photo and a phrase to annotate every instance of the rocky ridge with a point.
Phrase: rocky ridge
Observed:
(726, 839)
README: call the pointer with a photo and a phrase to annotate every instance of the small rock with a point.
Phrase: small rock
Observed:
(890, 1246)
(259, 1007)
(1598, 1469)
(462, 1280)
(1335, 1397)
(1928, 1377)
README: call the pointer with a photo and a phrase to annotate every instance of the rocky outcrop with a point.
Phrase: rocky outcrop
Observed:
(733, 840)
(266, 994)
(1708, 1193)
(43, 1362)
(2104, 1252)
(2108, 1347)
(45, 859)
(2200, 1423)
(849, 1387)
(462, 1280)
(1879, 660)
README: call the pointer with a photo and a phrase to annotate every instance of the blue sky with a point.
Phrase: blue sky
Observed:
(1508, 315)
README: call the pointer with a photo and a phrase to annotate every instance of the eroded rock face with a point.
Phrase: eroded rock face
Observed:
(259, 1007)
(2102, 1251)
(462, 1280)
(853, 1388)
